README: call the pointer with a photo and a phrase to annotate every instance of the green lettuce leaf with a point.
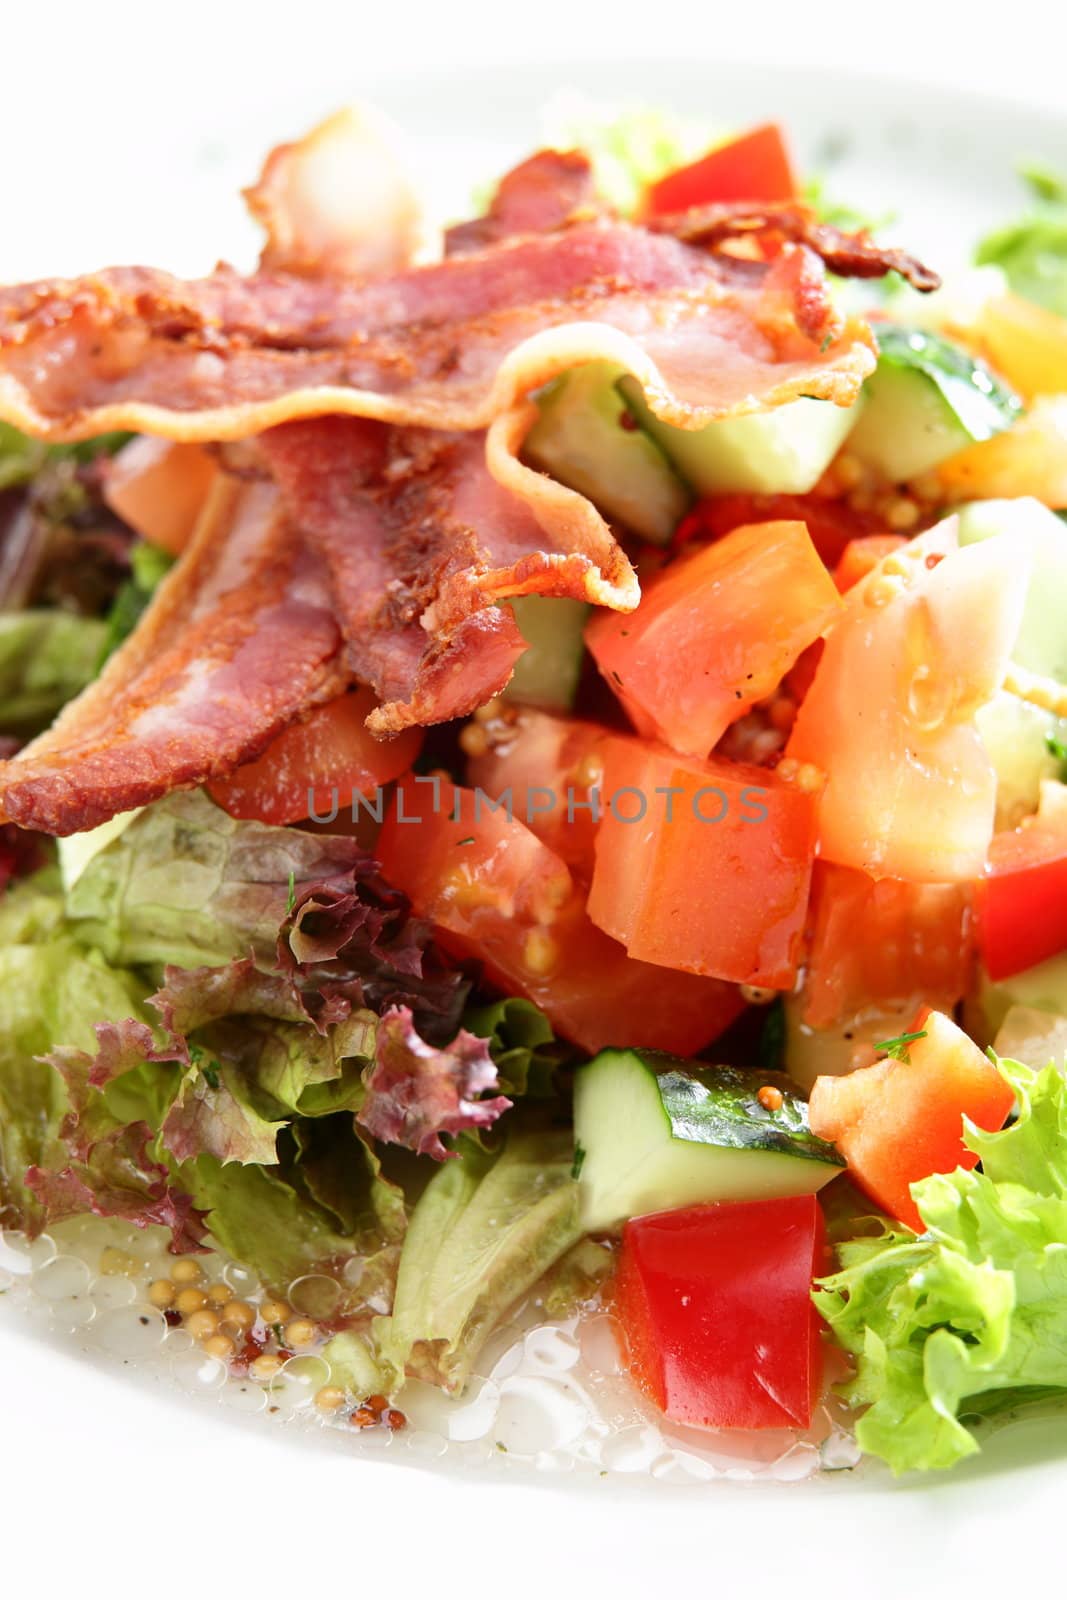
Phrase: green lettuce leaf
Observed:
(1032, 252)
(526, 1051)
(975, 1307)
(149, 565)
(298, 926)
(50, 991)
(188, 884)
(22, 458)
(487, 1228)
(629, 149)
(46, 658)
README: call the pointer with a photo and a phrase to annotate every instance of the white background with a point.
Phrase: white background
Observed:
(105, 1486)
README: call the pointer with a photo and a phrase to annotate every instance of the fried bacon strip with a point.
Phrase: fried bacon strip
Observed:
(850, 255)
(550, 190)
(385, 509)
(421, 540)
(451, 345)
(338, 201)
(240, 640)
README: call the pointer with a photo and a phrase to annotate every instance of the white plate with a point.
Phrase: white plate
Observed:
(98, 1472)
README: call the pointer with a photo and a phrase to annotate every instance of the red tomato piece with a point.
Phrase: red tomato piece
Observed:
(316, 766)
(923, 642)
(754, 167)
(495, 893)
(1022, 901)
(861, 556)
(715, 1304)
(549, 766)
(159, 488)
(884, 943)
(703, 866)
(832, 524)
(899, 1121)
(715, 632)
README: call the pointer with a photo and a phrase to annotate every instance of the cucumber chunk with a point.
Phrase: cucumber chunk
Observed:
(78, 849)
(784, 451)
(1042, 988)
(546, 674)
(1021, 741)
(926, 400)
(653, 1132)
(586, 437)
(1042, 643)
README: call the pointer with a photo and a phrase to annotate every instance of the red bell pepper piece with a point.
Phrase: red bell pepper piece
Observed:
(1022, 902)
(715, 1304)
(755, 167)
(902, 1119)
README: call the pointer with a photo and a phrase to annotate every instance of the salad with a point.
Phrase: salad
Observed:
(534, 763)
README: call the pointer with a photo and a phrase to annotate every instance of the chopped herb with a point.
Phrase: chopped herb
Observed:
(578, 1162)
(828, 340)
(290, 902)
(615, 675)
(196, 1054)
(502, 1447)
(468, 840)
(898, 1048)
(210, 1074)
(1056, 747)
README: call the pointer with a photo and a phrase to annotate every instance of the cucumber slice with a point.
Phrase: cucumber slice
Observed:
(653, 1132)
(78, 849)
(547, 673)
(1034, 1037)
(1043, 988)
(926, 400)
(1021, 741)
(784, 451)
(587, 437)
(1042, 643)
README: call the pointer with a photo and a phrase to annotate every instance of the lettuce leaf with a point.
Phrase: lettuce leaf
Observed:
(308, 921)
(187, 884)
(416, 1092)
(46, 658)
(629, 149)
(149, 565)
(526, 1051)
(487, 1228)
(50, 991)
(22, 458)
(975, 1308)
(1032, 252)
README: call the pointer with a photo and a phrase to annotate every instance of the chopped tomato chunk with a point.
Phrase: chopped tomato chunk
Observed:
(1022, 901)
(831, 523)
(715, 632)
(1026, 343)
(549, 767)
(861, 556)
(884, 943)
(715, 1305)
(316, 766)
(924, 641)
(495, 893)
(703, 866)
(901, 1120)
(1030, 458)
(159, 488)
(753, 167)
